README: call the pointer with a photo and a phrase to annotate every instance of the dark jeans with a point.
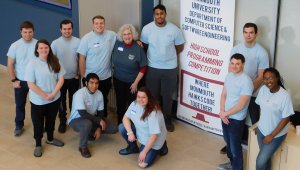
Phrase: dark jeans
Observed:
(104, 87)
(232, 134)
(85, 127)
(44, 115)
(70, 86)
(123, 97)
(163, 83)
(152, 153)
(254, 111)
(20, 100)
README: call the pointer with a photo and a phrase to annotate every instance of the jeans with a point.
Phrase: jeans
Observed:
(266, 151)
(163, 82)
(123, 97)
(20, 100)
(70, 85)
(232, 134)
(104, 87)
(44, 114)
(152, 153)
(85, 127)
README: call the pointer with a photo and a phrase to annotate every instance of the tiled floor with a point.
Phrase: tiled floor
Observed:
(189, 147)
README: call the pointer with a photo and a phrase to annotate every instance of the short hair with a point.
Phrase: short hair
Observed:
(249, 25)
(64, 22)
(238, 56)
(98, 17)
(161, 7)
(26, 24)
(129, 27)
(92, 76)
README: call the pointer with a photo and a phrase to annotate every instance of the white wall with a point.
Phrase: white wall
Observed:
(115, 12)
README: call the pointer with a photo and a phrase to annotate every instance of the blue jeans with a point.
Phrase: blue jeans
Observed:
(232, 134)
(152, 153)
(266, 151)
(20, 100)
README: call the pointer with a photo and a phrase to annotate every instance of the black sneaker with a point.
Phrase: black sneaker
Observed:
(170, 127)
(164, 149)
(62, 128)
(129, 150)
(85, 152)
(223, 150)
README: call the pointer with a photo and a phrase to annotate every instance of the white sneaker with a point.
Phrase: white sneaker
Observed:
(225, 166)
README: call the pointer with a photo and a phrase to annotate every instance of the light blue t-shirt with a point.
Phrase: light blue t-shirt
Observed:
(153, 124)
(256, 58)
(237, 85)
(273, 108)
(162, 40)
(83, 100)
(65, 51)
(38, 72)
(97, 49)
(22, 52)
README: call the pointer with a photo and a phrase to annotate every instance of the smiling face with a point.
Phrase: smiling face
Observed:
(93, 85)
(66, 30)
(27, 34)
(160, 17)
(236, 66)
(271, 81)
(43, 50)
(127, 36)
(98, 25)
(142, 98)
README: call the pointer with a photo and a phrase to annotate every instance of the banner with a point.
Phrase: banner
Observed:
(208, 27)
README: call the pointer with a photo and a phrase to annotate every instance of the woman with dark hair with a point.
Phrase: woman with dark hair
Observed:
(44, 76)
(275, 110)
(144, 121)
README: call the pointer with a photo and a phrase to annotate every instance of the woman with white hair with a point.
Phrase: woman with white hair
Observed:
(129, 64)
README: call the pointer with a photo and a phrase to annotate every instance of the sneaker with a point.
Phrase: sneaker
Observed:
(55, 142)
(170, 127)
(143, 165)
(85, 152)
(225, 166)
(223, 150)
(62, 128)
(129, 150)
(18, 132)
(38, 151)
(164, 149)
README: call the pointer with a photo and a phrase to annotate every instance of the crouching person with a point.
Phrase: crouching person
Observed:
(87, 108)
(144, 121)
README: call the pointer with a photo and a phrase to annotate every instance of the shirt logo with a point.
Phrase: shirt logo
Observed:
(131, 57)
(120, 48)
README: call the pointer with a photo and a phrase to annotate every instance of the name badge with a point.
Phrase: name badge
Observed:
(133, 112)
(96, 45)
(120, 48)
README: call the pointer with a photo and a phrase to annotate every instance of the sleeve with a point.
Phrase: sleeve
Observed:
(259, 96)
(247, 88)
(62, 71)
(129, 110)
(143, 58)
(53, 48)
(12, 51)
(29, 73)
(84, 114)
(83, 47)
(263, 59)
(100, 102)
(287, 107)
(144, 35)
(179, 38)
(78, 101)
(153, 122)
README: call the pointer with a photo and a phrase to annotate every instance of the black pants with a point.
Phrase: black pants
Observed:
(104, 87)
(70, 86)
(44, 115)
(20, 99)
(123, 97)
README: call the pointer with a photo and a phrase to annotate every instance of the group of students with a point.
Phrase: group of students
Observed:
(50, 72)
(251, 85)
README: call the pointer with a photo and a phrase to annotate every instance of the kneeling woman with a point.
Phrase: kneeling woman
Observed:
(144, 120)
(275, 111)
